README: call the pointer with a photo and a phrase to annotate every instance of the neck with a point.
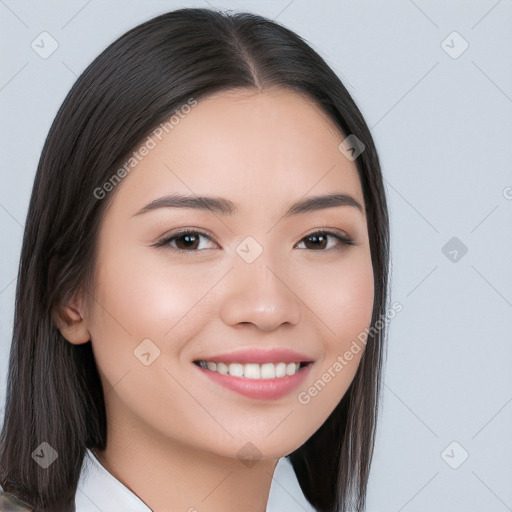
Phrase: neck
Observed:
(167, 475)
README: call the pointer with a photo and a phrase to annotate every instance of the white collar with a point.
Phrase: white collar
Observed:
(99, 491)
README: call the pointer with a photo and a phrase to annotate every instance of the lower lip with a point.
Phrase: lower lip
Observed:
(265, 389)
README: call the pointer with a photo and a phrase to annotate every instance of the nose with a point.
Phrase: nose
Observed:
(260, 293)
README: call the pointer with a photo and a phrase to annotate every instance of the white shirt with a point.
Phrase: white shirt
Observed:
(99, 491)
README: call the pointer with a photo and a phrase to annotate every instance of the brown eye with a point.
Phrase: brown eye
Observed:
(185, 241)
(319, 241)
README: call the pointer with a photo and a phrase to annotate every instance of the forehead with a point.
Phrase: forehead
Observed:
(246, 144)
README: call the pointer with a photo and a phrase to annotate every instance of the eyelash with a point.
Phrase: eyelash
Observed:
(165, 242)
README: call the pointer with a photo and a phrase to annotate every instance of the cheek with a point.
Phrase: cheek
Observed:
(344, 305)
(144, 297)
(136, 301)
(343, 297)
(143, 315)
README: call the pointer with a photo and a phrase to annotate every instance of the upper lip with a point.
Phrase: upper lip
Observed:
(256, 355)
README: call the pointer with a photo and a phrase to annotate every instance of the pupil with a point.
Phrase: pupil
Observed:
(316, 238)
(189, 240)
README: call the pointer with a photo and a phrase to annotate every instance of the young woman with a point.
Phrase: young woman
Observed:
(203, 280)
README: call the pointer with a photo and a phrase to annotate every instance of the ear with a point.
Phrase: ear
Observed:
(68, 319)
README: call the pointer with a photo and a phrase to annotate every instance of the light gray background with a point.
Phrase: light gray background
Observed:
(443, 126)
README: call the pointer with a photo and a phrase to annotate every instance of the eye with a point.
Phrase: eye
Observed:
(319, 240)
(186, 240)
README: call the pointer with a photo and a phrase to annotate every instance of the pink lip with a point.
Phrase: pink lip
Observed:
(268, 389)
(260, 356)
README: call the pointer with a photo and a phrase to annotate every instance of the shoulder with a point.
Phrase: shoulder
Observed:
(98, 489)
(285, 492)
(9, 503)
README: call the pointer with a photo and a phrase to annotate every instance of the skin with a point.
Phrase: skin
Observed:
(173, 436)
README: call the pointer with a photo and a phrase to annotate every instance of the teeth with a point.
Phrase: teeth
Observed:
(252, 370)
(235, 369)
(280, 369)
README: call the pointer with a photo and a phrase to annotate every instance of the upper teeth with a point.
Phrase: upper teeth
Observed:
(253, 370)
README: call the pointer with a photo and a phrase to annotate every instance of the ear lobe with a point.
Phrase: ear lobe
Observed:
(69, 322)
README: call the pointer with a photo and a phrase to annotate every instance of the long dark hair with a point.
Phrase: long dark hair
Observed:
(54, 393)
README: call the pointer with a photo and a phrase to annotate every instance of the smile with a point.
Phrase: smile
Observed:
(253, 370)
(254, 380)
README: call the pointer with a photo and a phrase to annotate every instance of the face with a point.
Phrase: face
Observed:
(174, 285)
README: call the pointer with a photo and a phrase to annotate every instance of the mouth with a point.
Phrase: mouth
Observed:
(255, 371)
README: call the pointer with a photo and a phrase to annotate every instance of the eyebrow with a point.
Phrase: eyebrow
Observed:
(224, 206)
